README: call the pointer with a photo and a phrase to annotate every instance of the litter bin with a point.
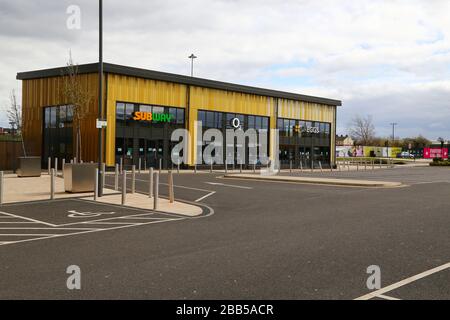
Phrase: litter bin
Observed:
(79, 177)
(29, 167)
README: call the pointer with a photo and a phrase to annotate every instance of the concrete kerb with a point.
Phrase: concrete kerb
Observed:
(318, 181)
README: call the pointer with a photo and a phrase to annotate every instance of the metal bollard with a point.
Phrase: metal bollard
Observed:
(116, 178)
(62, 167)
(156, 190)
(121, 165)
(124, 186)
(52, 184)
(56, 166)
(178, 167)
(195, 168)
(139, 165)
(211, 168)
(331, 167)
(171, 195)
(1, 187)
(103, 175)
(49, 165)
(320, 166)
(312, 166)
(133, 178)
(301, 166)
(150, 184)
(145, 164)
(96, 185)
(254, 167)
(240, 167)
(290, 166)
(226, 167)
(75, 160)
(160, 165)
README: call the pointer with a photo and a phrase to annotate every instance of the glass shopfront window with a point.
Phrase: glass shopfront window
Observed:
(223, 121)
(148, 140)
(57, 133)
(309, 146)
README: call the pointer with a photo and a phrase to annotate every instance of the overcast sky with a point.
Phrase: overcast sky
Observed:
(389, 59)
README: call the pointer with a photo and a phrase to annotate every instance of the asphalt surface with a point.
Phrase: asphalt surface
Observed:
(261, 240)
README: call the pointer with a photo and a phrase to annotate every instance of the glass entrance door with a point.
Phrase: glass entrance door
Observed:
(153, 152)
(305, 156)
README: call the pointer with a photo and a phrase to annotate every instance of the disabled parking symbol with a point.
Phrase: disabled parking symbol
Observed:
(76, 214)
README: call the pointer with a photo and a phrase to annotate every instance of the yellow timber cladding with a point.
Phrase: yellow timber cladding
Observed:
(131, 89)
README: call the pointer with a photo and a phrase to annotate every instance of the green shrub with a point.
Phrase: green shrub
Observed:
(441, 163)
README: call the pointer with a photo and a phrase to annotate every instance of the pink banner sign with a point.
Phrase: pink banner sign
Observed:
(431, 153)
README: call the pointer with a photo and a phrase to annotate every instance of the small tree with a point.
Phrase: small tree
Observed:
(14, 114)
(78, 98)
(362, 130)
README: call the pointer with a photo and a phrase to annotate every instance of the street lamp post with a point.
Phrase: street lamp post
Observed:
(100, 95)
(393, 124)
(192, 57)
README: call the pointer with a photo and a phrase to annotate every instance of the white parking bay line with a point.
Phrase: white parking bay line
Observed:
(401, 283)
(382, 296)
(205, 196)
(228, 185)
(29, 219)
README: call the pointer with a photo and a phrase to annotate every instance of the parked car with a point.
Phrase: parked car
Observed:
(406, 154)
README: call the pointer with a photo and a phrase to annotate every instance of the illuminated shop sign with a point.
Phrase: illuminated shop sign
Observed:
(152, 117)
(312, 129)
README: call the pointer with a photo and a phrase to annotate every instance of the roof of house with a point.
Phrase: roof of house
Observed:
(176, 78)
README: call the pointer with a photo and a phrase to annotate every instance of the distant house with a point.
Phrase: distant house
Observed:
(4, 131)
(344, 141)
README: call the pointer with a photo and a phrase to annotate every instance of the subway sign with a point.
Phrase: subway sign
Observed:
(152, 117)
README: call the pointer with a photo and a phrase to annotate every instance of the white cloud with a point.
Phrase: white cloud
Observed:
(389, 58)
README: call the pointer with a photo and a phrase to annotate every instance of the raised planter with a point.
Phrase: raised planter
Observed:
(29, 167)
(79, 177)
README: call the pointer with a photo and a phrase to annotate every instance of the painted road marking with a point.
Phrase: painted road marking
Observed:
(227, 185)
(29, 219)
(403, 282)
(176, 186)
(205, 196)
(51, 236)
(387, 297)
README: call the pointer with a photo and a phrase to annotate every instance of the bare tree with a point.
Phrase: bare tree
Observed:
(78, 97)
(362, 130)
(14, 114)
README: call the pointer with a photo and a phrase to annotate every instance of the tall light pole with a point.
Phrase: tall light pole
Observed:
(192, 57)
(393, 124)
(100, 94)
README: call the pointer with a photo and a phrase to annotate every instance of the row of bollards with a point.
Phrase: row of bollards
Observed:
(153, 186)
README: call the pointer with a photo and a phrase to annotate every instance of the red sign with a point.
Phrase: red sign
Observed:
(431, 153)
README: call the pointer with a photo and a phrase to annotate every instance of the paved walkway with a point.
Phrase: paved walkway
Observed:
(38, 188)
(313, 180)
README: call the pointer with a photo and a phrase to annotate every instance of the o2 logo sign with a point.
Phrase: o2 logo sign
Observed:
(235, 123)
